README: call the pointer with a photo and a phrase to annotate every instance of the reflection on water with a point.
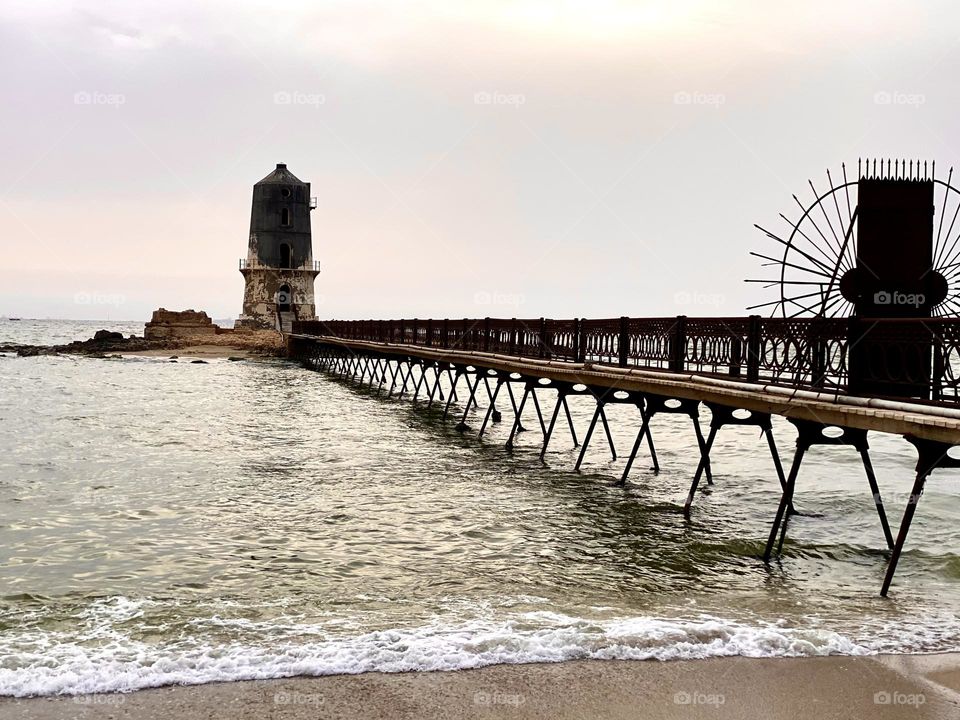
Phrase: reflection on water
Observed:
(168, 522)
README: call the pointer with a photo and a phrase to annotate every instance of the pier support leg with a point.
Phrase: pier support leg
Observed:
(641, 434)
(453, 391)
(586, 439)
(649, 405)
(423, 374)
(908, 513)
(495, 415)
(440, 395)
(877, 500)
(536, 404)
(931, 455)
(810, 433)
(775, 454)
(786, 499)
(516, 422)
(513, 403)
(606, 428)
(573, 430)
(491, 408)
(395, 372)
(701, 445)
(406, 377)
(462, 425)
(453, 384)
(652, 447)
(553, 422)
(722, 415)
(382, 375)
(436, 386)
(705, 453)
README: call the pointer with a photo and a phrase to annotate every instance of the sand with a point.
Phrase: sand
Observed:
(821, 688)
(241, 344)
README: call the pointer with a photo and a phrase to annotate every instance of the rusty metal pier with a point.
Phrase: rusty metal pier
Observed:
(865, 337)
(743, 369)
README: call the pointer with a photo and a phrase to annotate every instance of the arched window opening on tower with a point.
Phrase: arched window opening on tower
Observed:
(284, 300)
(285, 256)
(285, 217)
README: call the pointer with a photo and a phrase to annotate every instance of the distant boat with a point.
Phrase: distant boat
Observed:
(14, 319)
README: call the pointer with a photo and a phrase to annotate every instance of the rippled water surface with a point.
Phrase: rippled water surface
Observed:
(173, 522)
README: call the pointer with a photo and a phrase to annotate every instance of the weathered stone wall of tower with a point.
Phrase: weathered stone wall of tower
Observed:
(262, 295)
(267, 233)
(279, 270)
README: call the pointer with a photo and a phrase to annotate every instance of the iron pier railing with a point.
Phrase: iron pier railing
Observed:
(904, 357)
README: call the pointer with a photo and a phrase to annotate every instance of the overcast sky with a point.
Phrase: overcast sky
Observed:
(583, 158)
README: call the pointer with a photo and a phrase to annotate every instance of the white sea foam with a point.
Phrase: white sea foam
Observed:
(56, 665)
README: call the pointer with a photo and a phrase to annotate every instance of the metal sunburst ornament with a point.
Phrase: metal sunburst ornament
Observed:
(886, 244)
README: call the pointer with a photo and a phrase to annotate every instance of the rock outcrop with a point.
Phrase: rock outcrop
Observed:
(167, 330)
(172, 325)
(103, 342)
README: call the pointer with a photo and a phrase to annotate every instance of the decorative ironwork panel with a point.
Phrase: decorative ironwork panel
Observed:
(600, 340)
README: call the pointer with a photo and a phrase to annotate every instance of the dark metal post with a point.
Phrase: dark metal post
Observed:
(753, 348)
(939, 366)
(818, 353)
(543, 337)
(678, 344)
(623, 344)
(736, 356)
(486, 334)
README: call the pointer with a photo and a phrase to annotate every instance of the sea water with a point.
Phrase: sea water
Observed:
(187, 523)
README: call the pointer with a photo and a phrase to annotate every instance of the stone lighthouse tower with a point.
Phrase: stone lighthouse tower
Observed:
(279, 270)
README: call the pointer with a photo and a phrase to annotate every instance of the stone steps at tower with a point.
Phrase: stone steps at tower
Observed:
(286, 321)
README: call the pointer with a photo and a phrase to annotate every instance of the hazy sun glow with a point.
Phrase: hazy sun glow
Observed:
(594, 19)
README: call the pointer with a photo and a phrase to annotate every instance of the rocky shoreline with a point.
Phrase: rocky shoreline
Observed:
(104, 344)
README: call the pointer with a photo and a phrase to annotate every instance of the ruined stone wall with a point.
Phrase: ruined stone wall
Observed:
(170, 324)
